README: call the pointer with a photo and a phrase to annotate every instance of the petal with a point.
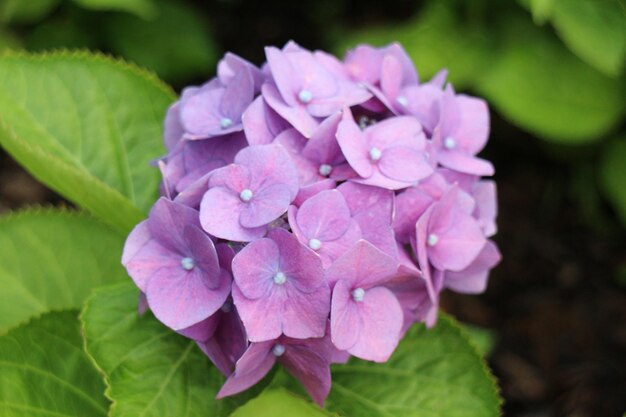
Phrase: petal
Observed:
(309, 191)
(151, 259)
(364, 200)
(297, 116)
(219, 215)
(269, 165)
(473, 130)
(332, 249)
(283, 74)
(200, 113)
(261, 124)
(267, 205)
(181, 300)
(465, 163)
(382, 318)
(167, 220)
(345, 322)
(362, 266)
(234, 177)
(228, 343)
(353, 145)
(262, 317)
(410, 205)
(325, 216)
(255, 266)
(255, 363)
(391, 76)
(203, 330)
(309, 365)
(473, 279)
(404, 164)
(305, 315)
(397, 131)
(323, 148)
(172, 129)
(238, 95)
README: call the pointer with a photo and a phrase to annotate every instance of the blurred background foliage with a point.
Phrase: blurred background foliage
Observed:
(554, 74)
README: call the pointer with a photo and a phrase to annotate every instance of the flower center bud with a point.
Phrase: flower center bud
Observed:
(449, 143)
(305, 96)
(325, 170)
(402, 101)
(187, 263)
(315, 244)
(279, 278)
(246, 195)
(225, 123)
(358, 294)
(278, 349)
(375, 154)
(432, 239)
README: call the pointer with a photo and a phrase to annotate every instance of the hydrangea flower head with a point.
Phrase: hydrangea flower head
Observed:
(313, 210)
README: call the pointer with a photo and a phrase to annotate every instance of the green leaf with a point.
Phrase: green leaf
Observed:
(436, 38)
(21, 11)
(156, 44)
(88, 127)
(279, 402)
(150, 370)
(539, 85)
(594, 30)
(613, 175)
(52, 259)
(45, 372)
(432, 373)
(482, 338)
(143, 8)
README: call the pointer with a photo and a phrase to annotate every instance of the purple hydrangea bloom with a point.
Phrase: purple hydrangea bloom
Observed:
(280, 289)
(366, 318)
(244, 197)
(174, 262)
(390, 154)
(314, 210)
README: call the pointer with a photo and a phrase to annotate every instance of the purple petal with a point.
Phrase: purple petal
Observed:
(261, 124)
(268, 165)
(255, 266)
(465, 163)
(325, 216)
(345, 322)
(172, 129)
(167, 220)
(404, 164)
(262, 318)
(237, 96)
(353, 145)
(297, 116)
(362, 266)
(267, 205)
(201, 331)
(255, 363)
(473, 279)
(309, 363)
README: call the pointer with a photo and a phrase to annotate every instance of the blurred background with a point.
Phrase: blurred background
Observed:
(553, 72)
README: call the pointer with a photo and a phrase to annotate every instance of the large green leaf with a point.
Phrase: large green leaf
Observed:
(613, 175)
(594, 30)
(88, 127)
(142, 8)
(150, 370)
(432, 373)
(21, 11)
(45, 372)
(279, 402)
(542, 87)
(436, 38)
(156, 44)
(51, 260)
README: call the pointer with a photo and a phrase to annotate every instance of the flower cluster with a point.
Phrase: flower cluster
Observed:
(314, 209)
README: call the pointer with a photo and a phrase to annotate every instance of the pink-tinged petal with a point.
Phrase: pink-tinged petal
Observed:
(381, 323)
(255, 266)
(202, 251)
(301, 266)
(193, 193)
(486, 199)
(363, 63)
(339, 356)
(309, 364)
(255, 363)
(268, 165)
(362, 266)
(297, 116)
(459, 237)
(261, 124)
(142, 304)
(229, 341)
(201, 331)
(473, 279)
(473, 130)
(354, 147)
(325, 216)
(292, 141)
(397, 131)
(262, 317)
(266, 205)
(200, 114)
(419, 246)
(322, 147)
(423, 103)
(310, 190)
(225, 255)
(465, 163)
(345, 322)
(409, 74)
(284, 74)
(305, 314)
(439, 79)
(410, 205)
(332, 249)
(172, 129)
(377, 179)
(231, 64)
(219, 216)
(391, 76)
(379, 233)
(152, 259)
(137, 239)
(404, 164)
(237, 96)
(181, 300)
(167, 220)
(234, 177)
(367, 201)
